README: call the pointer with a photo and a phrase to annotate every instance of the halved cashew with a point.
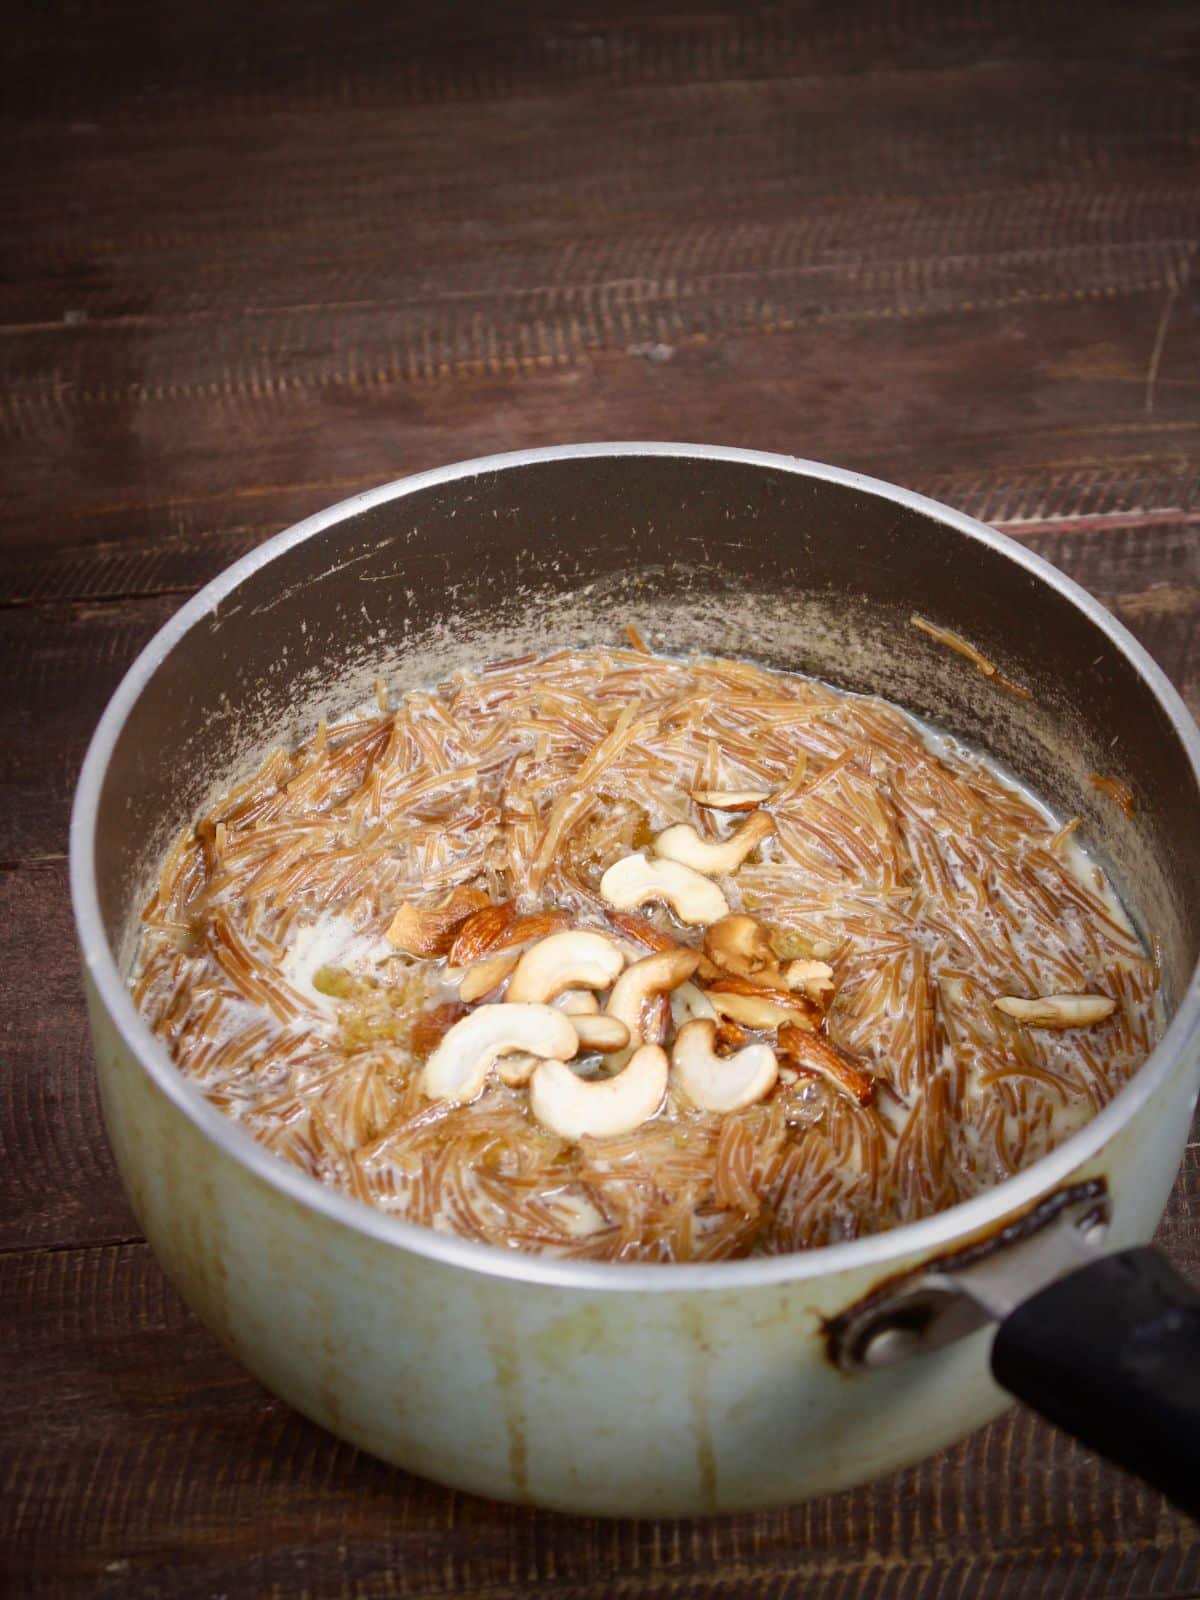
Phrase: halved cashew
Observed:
(740, 945)
(517, 1068)
(656, 974)
(487, 975)
(634, 880)
(689, 1003)
(601, 1033)
(574, 1107)
(815, 978)
(458, 1068)
(730, 799)
(758, 1006)
(577, 1003)
(1058, 1010)
(713, 1084)
(576, 959)
(683, 844)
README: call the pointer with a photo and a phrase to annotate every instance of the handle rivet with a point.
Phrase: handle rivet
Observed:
(888, 1345)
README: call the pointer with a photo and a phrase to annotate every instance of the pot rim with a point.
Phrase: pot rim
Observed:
(870, 1252)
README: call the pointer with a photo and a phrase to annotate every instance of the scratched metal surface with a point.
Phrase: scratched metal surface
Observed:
(257, 258)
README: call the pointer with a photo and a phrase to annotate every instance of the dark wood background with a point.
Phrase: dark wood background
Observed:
(259, 255)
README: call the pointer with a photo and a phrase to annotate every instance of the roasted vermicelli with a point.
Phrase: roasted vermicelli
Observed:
(902, 887)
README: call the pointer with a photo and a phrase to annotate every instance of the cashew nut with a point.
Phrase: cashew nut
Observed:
(516, 1069)
(572, 960)
(815, 978)
(574, 1107)
(740, 945)
(730, 799)
(657, 974)
(601, 1033)
(712, 1084)
(1058, 1010)
(577, 1003)
(757, 1006)
(683, 844)
(458, 1068)
(634, 880)
(689, 1003)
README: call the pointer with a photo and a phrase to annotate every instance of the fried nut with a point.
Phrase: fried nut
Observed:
(430, 930)
(577, 959)
(516, 1069)
(634, 880)
(599, 1108)
(684, 845)
(713, 1083)
(1058, 1010)
(483, 931)
(601, 1033)
(757, 1005)
(739, 944)
(814, 978)
(730, 800)
(641, 931)
(819, 1055)
(577, 1003)
(653, 975)
(487, 975)
(689, 1003)
(457, 1070)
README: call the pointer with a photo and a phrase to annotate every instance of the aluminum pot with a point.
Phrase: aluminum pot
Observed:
(641, 1389)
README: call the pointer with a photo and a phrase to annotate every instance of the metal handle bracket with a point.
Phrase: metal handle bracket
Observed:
(954, 1294)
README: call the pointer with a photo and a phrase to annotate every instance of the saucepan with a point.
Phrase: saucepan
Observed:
(655, 1389)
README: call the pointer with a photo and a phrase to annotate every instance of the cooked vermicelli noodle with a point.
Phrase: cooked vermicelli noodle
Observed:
(926, 882)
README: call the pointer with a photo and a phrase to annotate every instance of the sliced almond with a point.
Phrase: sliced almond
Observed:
(483, 930)
(431, 1027)
(430, 930)
(487, 975)
(1057, 1010)
(730, 799)
(639, 929)
(814, 1051)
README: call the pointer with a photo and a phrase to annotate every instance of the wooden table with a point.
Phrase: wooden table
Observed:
(261, 255)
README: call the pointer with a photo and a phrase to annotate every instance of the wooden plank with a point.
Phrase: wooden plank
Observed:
(1026, 412)
(57, 1180)
(276, 55)
(61, 665)
(138, 1458)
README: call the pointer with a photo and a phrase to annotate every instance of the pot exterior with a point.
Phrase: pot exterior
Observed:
(611, 1402)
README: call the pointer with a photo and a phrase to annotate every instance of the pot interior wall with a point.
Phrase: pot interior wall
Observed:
(711, 556)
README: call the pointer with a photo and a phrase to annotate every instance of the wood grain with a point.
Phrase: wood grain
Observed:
(260, 257)
(132, 1430)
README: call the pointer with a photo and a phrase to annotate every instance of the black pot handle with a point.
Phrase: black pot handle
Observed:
(1111, 1354)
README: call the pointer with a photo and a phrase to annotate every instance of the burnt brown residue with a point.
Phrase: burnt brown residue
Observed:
(838, 1331)
(503, 1347)
(698, 1399)
(1115, 789)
